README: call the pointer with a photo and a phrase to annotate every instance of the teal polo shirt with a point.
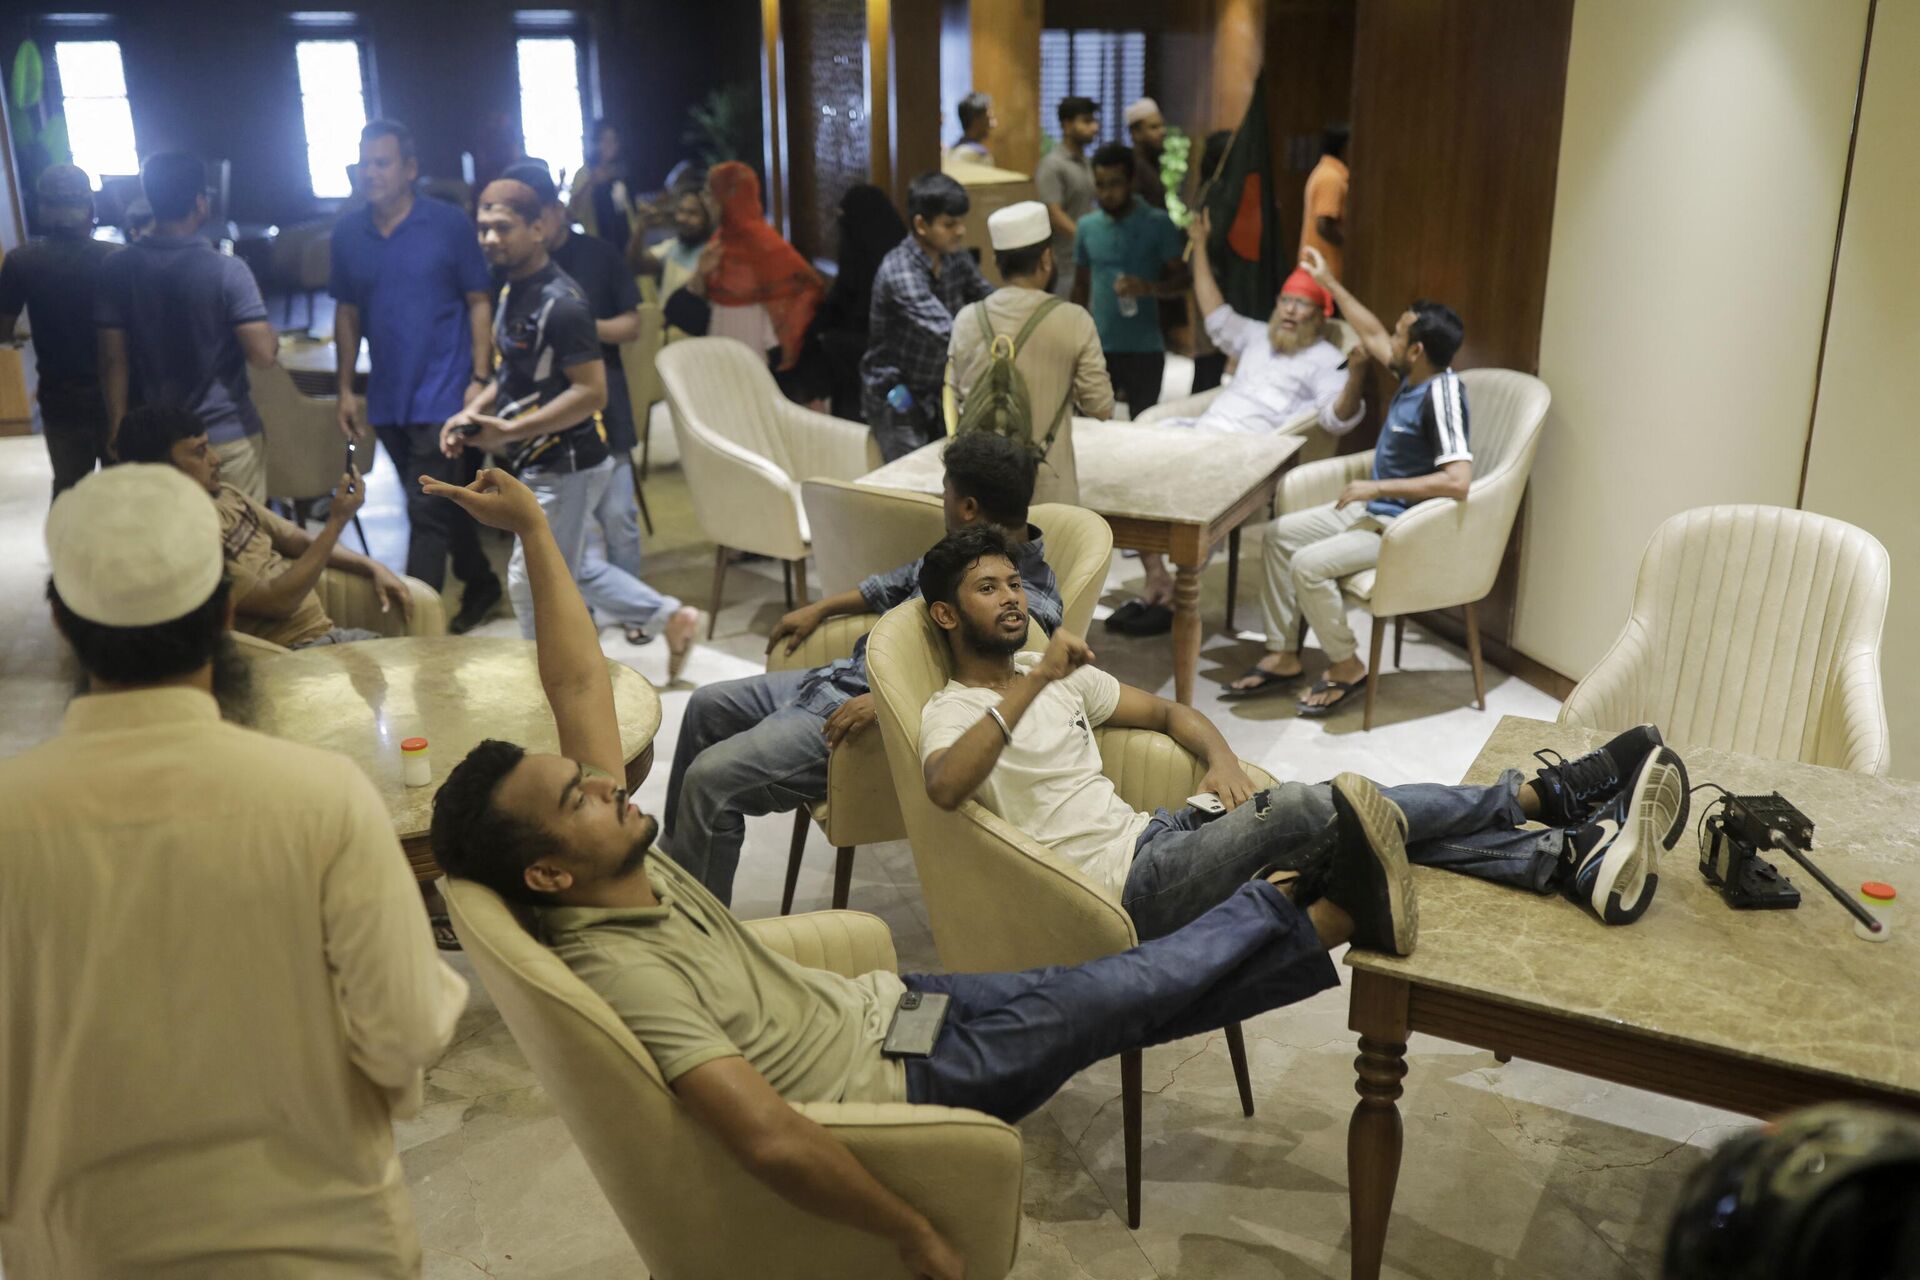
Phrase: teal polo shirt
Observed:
(1139, 244)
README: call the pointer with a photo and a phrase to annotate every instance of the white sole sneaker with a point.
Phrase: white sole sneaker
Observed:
(1634, 828)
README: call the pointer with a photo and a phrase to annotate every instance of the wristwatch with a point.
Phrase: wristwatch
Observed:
(481, 379)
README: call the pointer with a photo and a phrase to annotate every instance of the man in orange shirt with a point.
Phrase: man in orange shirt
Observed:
(1323, 225)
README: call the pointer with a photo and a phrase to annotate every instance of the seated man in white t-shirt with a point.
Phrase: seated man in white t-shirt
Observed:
(1285, 366)
(1015, 731)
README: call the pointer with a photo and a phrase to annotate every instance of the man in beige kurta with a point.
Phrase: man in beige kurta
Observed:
(1061, 358)
(216, 984)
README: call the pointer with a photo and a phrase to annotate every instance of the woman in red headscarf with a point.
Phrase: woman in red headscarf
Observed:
(761, 290)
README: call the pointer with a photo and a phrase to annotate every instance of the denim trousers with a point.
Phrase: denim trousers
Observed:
(617, 515)
(745, 749)
(1012, 1039)
(569, 499)
(1184, 864)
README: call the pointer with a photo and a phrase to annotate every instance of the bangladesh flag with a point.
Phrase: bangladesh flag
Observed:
(1248, 255)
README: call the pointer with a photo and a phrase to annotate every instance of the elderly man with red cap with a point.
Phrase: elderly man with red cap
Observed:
(1286, 367)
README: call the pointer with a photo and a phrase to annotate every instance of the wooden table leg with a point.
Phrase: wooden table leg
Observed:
(1186, 631)
(1379, 1013)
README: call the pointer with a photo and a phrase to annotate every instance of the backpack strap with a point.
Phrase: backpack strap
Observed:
(1040, 313)
(986, 325)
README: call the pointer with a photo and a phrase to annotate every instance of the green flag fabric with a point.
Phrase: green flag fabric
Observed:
(1248, 254)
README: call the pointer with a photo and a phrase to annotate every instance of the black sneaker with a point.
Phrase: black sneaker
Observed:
(476, 602)
(1573, 792)
(1369, 877)
(1614, 860)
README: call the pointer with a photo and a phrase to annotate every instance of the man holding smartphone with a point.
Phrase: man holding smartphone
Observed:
(408, 275)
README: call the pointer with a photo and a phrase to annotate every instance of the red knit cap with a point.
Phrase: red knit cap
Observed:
(1302, 284)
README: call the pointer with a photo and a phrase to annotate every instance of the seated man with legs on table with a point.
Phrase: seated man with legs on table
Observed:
(1287, 368)
(760, 744)
(275, 564)
(740, 1032)
(1014, 731)
(543, 411)
(1422, 453)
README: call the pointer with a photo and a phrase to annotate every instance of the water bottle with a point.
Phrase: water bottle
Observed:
(900, 399)
(1128, 304)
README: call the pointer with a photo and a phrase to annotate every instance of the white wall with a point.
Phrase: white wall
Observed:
(1701, 164)
(1866, 435)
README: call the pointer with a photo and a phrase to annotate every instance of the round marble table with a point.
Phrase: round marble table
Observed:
(362, 700)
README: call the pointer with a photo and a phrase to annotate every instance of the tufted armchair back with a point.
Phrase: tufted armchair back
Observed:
(1754, 629)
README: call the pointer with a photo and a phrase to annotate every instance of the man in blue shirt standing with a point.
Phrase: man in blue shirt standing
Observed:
(921, 285)
(1422, 454)
(179, 324)
(409, 276)
(1124, 251)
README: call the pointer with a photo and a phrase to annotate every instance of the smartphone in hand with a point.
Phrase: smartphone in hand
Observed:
(352, 468)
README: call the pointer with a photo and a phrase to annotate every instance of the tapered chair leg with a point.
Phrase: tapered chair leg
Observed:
(842, 876)
(1237, 1050)
(1233, 575)
(640, 500)
(646, 441)
(801, 821)
(800, 579)
(1130, 1125)
(786, 581)
(1373, 669)
(1473, 654)
(1399, 638)
(719, 581)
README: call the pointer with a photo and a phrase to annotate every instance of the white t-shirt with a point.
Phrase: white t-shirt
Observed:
(1270, 389)
(1048, 781)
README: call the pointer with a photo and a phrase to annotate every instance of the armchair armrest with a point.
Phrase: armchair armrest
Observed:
(964, 1170)
(740, 498)
(823, 445)
(1185, 407)
(831, 641)
(1613, 694)
(1151, 771)
(1318, 483)
(848, 943)
(1025, 909)
(1853, 732)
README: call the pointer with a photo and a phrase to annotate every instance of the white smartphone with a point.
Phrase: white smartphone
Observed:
(1207, 802)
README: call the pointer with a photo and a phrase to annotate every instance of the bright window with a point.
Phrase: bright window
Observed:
(333, 104)
(551, 126)
(93, 89)
(1108, 66)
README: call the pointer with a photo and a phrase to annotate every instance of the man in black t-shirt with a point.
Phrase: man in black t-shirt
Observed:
(52, 279)
(543, 410)
(614, 299)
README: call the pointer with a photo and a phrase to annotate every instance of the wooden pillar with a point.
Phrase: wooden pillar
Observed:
(1006, 66)
(904, 62)
(773, 121)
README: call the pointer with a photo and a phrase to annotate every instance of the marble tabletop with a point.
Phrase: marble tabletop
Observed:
(1793, 988)
(363, 699)
(1133, 472)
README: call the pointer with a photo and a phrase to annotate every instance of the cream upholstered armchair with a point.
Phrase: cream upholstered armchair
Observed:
(746, 448)
(859, 531)
(1441, 553)
(643, 392)
(996, 899)
(691, 1209)
(1318, 443)
(1754, 629)
(351, 601)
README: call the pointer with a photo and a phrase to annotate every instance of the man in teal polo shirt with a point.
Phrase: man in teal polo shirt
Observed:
(1124, 251)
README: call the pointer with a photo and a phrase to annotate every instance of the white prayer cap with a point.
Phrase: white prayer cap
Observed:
(1019, 225)
(1141, 110)
(134, 546)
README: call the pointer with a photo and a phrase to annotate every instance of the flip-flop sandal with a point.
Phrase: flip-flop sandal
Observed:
(1269, 681)
(443, 935)
(637, 636)
(1317, 711)
(1120, 619)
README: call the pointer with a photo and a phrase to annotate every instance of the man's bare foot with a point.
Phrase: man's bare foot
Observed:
(1158, 588)
(682, 629)
(1341, 674)
(1274, 664)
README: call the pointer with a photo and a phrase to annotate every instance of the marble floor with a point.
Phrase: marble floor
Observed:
(1509, 1171)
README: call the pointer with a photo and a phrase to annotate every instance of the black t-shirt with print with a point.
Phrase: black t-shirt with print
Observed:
(541, 328)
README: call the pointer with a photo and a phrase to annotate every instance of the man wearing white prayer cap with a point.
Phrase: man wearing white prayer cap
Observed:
(217, 980)
(1060, 361)
(1148, 132)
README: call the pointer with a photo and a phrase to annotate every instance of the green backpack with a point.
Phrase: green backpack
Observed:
(997, 402)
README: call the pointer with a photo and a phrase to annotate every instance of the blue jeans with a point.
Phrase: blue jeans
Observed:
(569, 499)
(618, 516)
(1012, 1039)
(1184, 864)
(745, 749)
